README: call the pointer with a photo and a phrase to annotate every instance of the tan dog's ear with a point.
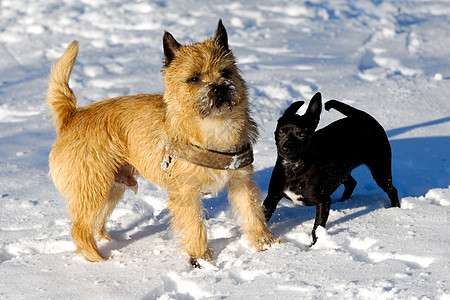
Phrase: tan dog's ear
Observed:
(171, 47)
(221, 37)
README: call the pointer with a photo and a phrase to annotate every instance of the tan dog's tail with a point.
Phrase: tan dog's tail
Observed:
(60, 98)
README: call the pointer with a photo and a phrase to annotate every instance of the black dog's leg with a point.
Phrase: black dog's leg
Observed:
(393, 196)
(382, 174)
(322, 212)
(391, 191)
(270, 204)
(275, 191)
(349, 185)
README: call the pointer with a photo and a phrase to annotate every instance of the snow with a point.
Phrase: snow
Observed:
(389, 58)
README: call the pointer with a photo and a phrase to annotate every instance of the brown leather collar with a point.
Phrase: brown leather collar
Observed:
(210, 158)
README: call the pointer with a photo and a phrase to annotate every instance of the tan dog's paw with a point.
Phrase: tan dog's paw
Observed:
(206, 256)
(265, 242)
(92, 255)
(103, 235)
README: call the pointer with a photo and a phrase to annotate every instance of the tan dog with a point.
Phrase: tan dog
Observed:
(193, 140)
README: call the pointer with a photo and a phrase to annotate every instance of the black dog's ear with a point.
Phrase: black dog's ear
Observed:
(315, 105)
(171, 47)
(315, 108)
(221, 37)
(293, 108)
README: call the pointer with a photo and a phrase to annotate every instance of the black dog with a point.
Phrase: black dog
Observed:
(312, 165)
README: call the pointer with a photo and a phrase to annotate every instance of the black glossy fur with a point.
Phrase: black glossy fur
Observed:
(311, 164)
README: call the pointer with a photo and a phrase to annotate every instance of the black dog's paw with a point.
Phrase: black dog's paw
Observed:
(329, 104)
(395, 203)
(314, 240)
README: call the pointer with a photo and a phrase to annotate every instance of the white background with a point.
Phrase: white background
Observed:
(389, 58)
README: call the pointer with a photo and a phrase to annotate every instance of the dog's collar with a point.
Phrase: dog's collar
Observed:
(209, 158)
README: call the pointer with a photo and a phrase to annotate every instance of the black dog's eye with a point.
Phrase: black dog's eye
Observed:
(194, 79)
(284, 130)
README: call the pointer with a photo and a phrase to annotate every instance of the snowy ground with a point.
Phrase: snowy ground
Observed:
(390, 58)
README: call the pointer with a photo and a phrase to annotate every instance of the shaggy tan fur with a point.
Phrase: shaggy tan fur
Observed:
(101, 147)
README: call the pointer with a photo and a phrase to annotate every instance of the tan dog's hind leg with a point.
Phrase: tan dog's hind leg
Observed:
(123, 179)
(86, 207)
(186, 210)
(115, 194)
(245, 199)
(83, 233)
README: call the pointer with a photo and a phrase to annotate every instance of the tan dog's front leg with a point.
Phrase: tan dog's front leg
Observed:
(245, 198)
(186, 210)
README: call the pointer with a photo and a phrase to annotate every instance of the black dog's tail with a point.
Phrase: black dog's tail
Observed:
(346, 109)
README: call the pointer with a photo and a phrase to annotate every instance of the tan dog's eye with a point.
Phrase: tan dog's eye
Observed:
(194, 79)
